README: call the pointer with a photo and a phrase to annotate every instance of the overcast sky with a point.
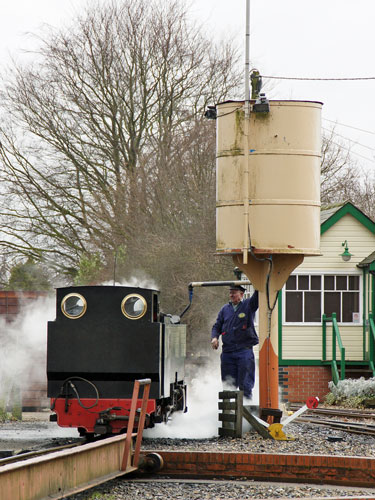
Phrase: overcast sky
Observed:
(293, 38)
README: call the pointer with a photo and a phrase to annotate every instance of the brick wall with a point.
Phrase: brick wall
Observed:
(300, 382)
(11, 302)
(34, 394)
(344, 471)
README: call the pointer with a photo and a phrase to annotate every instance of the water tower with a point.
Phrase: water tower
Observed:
(268, 204)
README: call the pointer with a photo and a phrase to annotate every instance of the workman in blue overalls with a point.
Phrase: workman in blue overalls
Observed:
(235, 324)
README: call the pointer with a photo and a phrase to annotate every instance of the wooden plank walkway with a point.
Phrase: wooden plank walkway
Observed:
(70, 471)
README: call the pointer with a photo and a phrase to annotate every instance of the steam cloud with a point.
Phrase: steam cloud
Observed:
(134, 282)
(201, 419)
(24, 346)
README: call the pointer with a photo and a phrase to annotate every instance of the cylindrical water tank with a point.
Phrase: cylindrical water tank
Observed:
(283, 179)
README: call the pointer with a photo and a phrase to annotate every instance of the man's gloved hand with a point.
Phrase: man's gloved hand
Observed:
(215, 343)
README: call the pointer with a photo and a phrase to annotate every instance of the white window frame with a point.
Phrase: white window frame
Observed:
(322, 274)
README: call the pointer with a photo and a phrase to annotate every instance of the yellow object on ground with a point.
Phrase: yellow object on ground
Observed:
(276, 431)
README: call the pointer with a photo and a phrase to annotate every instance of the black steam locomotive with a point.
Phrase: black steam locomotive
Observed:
(103, 339)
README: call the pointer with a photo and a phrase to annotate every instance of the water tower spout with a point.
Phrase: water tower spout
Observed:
(268, 274)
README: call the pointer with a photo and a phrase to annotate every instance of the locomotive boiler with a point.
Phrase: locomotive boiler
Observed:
(102, 340)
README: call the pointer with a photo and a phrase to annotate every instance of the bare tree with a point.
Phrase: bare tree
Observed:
(179, 243)
(342, 179)
(338, 172)
(366, 197)
(92, 127)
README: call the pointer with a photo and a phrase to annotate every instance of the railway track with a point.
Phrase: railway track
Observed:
(237, 464)
(348, 412)
(229, 465)
(356, 428)
(38, 453)
(338, 412)
(353, 419)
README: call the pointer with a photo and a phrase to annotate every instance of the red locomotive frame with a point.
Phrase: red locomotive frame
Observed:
(112, 413)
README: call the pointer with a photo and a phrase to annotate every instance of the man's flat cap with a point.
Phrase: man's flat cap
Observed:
(237, 287)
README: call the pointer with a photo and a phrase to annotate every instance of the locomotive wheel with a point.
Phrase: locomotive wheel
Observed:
(152, 462)
(90, 437)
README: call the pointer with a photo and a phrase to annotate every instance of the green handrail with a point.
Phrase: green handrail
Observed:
(335, 337)
(324, 339)
(372, 343)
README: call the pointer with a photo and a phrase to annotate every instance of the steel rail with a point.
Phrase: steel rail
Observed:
(35, 453)
(356, 428)
(340, 412)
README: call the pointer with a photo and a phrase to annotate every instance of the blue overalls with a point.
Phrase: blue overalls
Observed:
(238, 335)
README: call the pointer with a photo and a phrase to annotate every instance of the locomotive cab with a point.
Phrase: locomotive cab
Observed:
(102, 340)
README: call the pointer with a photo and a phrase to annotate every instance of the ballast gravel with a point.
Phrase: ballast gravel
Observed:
(211, 490)
(308, 439)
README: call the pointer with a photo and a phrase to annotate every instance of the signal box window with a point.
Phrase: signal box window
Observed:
(307, 297)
